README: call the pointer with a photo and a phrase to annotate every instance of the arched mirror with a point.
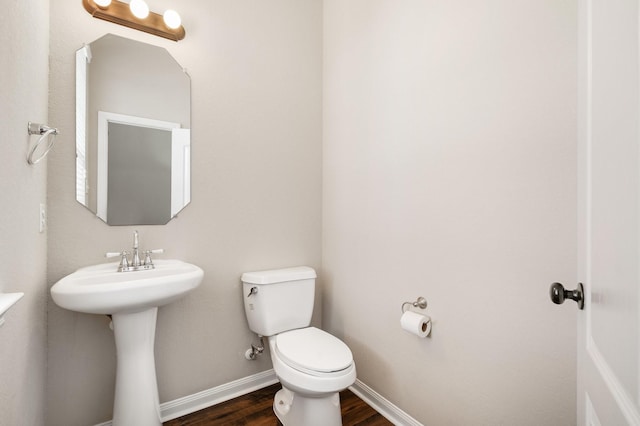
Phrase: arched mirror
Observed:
(133, 143)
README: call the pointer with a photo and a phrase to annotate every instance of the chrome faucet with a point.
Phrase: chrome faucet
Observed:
(135, 264)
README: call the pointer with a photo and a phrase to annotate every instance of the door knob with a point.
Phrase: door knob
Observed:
(559, 294)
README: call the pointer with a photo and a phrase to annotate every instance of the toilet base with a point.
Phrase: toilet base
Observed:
(294, 409)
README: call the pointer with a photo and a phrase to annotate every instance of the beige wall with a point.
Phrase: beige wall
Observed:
(256, 75)
(24, 46)
(449, 172)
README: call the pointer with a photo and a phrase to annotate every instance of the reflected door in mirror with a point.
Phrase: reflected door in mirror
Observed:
(139, 168)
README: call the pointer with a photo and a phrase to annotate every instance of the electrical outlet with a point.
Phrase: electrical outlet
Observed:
(43, 217)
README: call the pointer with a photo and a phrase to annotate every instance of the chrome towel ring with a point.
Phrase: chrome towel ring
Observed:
(46, 132)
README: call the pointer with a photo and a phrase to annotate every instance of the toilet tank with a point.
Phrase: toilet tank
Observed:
(278, 300)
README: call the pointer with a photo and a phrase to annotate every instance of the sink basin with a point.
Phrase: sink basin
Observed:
(100, 289)
(132, 299)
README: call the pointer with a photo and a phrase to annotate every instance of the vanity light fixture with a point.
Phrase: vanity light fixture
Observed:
(136, 15)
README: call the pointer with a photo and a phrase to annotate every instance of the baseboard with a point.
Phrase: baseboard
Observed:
(190, 404)
(382, 405)
(207, 398)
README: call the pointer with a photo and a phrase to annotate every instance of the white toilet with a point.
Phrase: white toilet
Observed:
(312, 365)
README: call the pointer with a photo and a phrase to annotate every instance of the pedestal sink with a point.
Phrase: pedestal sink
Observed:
(132, 299)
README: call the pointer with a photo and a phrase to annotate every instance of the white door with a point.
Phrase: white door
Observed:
(609, 213)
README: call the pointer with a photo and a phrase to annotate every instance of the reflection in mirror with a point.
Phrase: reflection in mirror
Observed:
(132, 132)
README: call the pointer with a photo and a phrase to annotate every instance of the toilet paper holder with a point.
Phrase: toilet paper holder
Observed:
(420, 302)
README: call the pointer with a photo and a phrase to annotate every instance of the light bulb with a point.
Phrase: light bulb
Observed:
(102, 4)
(172, 19)
(139, 9)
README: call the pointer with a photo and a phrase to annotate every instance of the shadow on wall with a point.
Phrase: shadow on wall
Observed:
(374, 362)
(359, 349)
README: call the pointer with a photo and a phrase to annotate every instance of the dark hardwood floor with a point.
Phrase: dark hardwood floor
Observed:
(255, 409)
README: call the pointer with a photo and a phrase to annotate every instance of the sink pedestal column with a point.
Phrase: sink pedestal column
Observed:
(136, 399)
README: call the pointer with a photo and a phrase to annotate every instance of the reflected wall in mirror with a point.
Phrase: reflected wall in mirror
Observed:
(133, 144)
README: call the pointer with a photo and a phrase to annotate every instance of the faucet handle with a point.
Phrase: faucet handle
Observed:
(124, 262)
(148, 262)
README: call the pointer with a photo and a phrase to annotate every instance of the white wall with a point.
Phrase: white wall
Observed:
(24, 47)
(256, 177)
(449, 158)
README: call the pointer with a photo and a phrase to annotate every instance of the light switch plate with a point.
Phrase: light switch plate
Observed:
(43, 217)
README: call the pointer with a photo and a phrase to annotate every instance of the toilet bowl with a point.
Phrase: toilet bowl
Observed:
(312, 365)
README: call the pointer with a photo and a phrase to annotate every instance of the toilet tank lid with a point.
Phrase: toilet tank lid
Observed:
(279, 275)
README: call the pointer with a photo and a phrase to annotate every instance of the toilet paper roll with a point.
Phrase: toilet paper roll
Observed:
(415, 323)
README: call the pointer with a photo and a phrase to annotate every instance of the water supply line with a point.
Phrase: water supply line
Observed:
(253, 352)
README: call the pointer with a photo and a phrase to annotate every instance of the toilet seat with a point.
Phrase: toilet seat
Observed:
(313, 351)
